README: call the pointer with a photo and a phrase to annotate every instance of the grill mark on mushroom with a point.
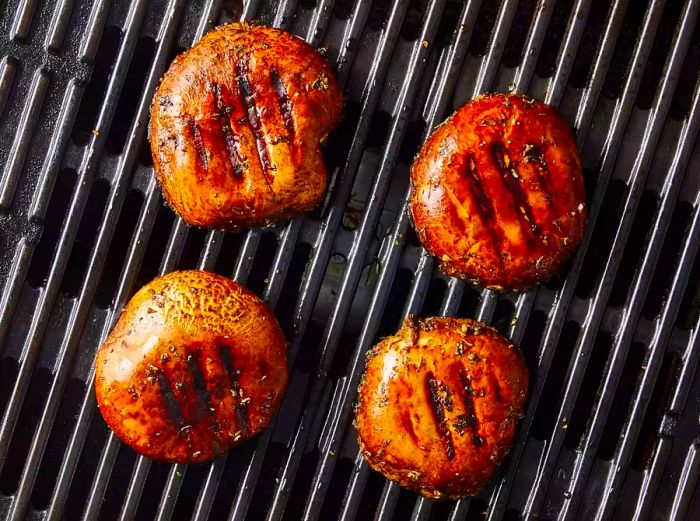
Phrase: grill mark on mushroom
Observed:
(232, 141)
(236, 391)
(171, 405)
(284, 103)
(438, 411)
(253, 119)
(487, 212)
(512, 184)
(497, 390)
(533, 154)
(198, 142)
(470, 419)
(200, 387)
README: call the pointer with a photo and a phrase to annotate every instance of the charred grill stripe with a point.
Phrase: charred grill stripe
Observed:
(533, 154)
(498, 153)
(171, 405)
(248, 99)
(232, 141)
(465, 391)
(241, 406)
(487, 212)
(285, 104)
(198, 142)
(476, 187)
(436, 406)
(497, 390)
(200, 387)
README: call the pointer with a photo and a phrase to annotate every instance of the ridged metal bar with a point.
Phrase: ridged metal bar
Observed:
(567, 53)
(604, 287)
(23, 19)
(686, 484)
(319, 21)
(87, 409)
(561, 303)
(59, 22)
(490, 62)
(20, 146)
(589, 99)
(623, 339)
(32, 344)
(531, 52)
(657, 348)
(93, 31)
(8, 68)
(652, 478)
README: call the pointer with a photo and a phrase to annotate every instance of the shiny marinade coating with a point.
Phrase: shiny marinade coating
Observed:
(498, 194)
(236, 125)
(438, 405)
(195, 364)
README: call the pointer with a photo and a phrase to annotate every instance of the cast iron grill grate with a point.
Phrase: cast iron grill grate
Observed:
(611, 430)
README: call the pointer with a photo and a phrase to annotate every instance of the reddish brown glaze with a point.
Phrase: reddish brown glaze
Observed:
(236, 125)
(498, 193)
(195, 364)
(438, 405)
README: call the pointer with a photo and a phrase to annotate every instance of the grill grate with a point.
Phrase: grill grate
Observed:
(614, 338)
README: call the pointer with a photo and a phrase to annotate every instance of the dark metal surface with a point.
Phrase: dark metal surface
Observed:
(612, 426)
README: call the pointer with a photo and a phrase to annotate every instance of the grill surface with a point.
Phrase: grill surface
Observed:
(611, 429)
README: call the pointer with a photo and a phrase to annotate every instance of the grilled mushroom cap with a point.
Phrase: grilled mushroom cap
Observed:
(498, 193)
(438, 405)
(236, 125)
(195, 364)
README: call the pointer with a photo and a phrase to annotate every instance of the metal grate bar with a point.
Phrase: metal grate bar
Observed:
(567, 53)
(489, 64)
(531, 52)
(93, 31)
(40, 318)
(20, 146)
(632, 312)
(604, 287)
(23, 19)
(686, 487)
(133, 493)
(589, 99)
(652, 477)
(87, 409)
(561, 303)
(7, 76)
(657, 347)
(59, 23)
